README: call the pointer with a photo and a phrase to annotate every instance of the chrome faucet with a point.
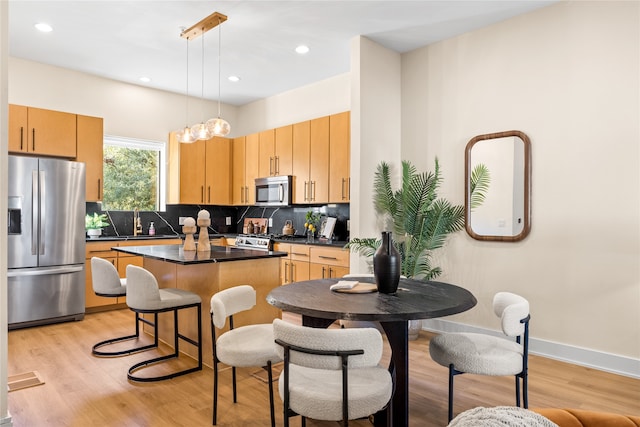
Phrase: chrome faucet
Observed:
(137, 222)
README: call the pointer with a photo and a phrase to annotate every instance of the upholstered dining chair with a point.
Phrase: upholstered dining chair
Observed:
(331, 374)
(107, 283)
(145, 297)
(484, 354)
(241, 347)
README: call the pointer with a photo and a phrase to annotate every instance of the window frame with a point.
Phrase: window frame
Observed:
(150, 145)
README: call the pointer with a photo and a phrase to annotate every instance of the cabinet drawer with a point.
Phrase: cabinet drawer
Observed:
(282, 247)
(330, 256)
(100, 249)
(300, 252)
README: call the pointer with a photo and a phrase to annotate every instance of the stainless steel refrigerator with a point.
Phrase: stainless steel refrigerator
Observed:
(46, 241)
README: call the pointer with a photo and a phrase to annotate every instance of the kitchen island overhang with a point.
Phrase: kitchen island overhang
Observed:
(206, 273)
(176, 254)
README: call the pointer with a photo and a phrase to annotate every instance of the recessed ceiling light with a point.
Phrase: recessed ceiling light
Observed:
(45, 28)
(145, 79)
(234, 79)
(302, 49)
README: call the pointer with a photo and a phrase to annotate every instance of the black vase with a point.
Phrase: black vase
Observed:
(386, 265)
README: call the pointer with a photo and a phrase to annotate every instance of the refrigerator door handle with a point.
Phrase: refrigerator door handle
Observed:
(21, 272)
(34, 212)
(42, 213)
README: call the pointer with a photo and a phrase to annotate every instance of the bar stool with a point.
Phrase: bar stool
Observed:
(144, 296)
(107, 283)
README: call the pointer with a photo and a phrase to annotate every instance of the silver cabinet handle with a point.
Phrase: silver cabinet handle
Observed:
(43, 209)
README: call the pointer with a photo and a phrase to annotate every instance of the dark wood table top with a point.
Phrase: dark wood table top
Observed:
(413, 300)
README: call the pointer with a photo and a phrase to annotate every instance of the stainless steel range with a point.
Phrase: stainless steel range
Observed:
(258, 242)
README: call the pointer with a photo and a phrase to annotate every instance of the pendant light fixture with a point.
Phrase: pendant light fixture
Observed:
(184, 135)
(200, 130)
(219, 126)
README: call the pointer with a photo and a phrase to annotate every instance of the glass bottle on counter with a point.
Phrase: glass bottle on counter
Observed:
(152, 230)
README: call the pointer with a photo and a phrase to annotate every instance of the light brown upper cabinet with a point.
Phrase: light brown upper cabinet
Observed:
(276, 150)
(218, 171)
(205, 172)
(339, 157)
(39, 131)
(90, 151)
(311, 161)
(245, 169)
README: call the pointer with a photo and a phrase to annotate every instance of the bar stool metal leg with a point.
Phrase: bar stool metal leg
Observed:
(177, 336)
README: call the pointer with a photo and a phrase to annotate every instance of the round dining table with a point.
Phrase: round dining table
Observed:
(414, 299)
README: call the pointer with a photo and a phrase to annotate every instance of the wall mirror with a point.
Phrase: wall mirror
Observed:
(498, 186)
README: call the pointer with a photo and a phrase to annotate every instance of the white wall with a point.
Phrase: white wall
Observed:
(375, 131)
(568, 76)
(128, 110)
(319, 99)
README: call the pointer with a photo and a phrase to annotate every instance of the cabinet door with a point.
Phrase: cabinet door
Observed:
(91, 299)
(301, 155)
(319, 160)
(283, 162)
(299, 271)
(52, 133)
(326, 271)
(17, 128)
(266, 153)
(238, 191)
(252, 144)
(90, 151)
(339, 157)
(192, 172)
(218, 171)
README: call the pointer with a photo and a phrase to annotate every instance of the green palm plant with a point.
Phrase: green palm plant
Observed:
(479, 185)
(421, 222)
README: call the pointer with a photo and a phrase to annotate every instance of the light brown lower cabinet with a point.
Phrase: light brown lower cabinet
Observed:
(328, 262)
(308, 262)
(120, 260)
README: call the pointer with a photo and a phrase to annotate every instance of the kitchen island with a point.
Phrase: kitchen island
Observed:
(206, 273)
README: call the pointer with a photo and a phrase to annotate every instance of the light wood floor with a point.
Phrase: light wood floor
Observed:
(82, 390)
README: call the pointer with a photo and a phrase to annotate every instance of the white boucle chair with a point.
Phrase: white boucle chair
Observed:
(489, 355)
(331, 374)
(242, 347)
(107, 283)
(145, 297)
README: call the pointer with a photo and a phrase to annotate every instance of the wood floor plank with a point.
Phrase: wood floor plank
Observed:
(83, 390)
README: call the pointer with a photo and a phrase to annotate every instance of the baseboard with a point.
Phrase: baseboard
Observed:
(602, 361)
(6, 421)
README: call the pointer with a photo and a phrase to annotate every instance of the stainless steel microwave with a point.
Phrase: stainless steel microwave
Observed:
(274, 191)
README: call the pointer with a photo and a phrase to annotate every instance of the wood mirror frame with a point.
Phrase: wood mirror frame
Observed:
(523, 221)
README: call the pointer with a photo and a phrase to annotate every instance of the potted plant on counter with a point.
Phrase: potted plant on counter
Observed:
(94, 224)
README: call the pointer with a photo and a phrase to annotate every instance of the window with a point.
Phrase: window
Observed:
(134, 174)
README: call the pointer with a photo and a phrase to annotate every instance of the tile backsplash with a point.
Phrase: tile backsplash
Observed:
(166, 222)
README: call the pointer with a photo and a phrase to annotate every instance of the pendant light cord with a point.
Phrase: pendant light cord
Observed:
(186, 119)
(202, 75)
(219, 54)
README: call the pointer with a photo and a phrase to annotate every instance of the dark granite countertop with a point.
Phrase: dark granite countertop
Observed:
(175, 253)
(298, 240)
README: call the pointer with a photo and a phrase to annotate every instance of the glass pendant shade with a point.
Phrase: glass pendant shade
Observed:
(218, 127)
(201, 132)
(185, 136)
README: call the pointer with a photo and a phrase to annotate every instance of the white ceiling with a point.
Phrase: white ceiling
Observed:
(124, 40)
